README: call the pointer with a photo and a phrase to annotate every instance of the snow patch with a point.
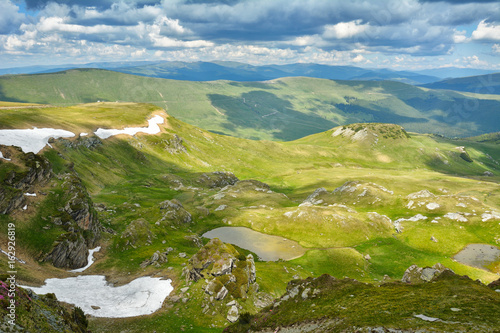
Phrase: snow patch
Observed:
(32, 140)
(30, 194)
(153, 128)
(1, 156)
(415, 218)
(432, 206)
(420, 194)
(142, 296)
(90, 260)
(490, 215)
(456, 216)
(221, 207)
(84, 134)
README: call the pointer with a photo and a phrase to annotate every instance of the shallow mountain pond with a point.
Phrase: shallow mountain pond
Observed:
(478, 255)
(267, 247)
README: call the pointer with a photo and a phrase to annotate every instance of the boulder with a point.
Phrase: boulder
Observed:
(217, 179)
(136, 234)
(156, 259)
(233, 314)
(415, 274)
(173, 211)
(70, 251)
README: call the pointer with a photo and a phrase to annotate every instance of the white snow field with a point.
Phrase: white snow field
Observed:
(153, 128)
(31, 140)
(96, 297)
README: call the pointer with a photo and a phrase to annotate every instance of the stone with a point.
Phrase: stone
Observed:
(233, 314)
(415, 274)
(368, 257)
(222, 293)
(173, 211)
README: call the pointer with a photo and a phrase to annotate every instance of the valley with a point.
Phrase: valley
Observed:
(364, 201)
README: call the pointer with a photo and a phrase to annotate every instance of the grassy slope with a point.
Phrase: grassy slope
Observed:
(294, 168)
(283, 109)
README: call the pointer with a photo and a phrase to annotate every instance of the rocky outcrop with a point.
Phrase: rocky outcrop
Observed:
(75, 215)
(156, 259)
(225, 269)
(69, 251)
(80, 208)
(79, 219)
(174, 212)
(36, 171)
(136, 234)
(415, 274)
(89, 142)
(174, 145)
(216, 179)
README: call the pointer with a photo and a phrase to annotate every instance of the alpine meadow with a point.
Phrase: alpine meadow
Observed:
(249, 166)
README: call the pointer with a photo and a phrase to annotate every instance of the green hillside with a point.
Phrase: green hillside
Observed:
(282, 110)
(348, 196)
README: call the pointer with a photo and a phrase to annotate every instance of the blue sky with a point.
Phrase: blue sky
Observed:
(397, 34)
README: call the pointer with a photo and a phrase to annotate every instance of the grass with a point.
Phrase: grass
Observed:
(131, 176)
(281, 110)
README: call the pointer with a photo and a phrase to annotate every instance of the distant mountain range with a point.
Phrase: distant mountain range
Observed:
(480, 84)
(235, 71)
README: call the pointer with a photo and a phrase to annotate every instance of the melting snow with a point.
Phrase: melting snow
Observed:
(30, 194)
(153, 128)
(90, 260)
(84, 134)
(142, 296)
(426, 318)
(31, 140)
(415, 218)
(456, 216)
(1, 156)
(432, 206)
(488, 216)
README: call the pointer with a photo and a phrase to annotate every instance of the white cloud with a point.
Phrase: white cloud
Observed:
(359, 58)
(474, 62)
(10, 18)
(496, 48)
(344, 30)
(460, 37)
(486, 31)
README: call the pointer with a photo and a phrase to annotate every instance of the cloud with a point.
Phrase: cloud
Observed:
(496, 48)
(344, 30)
(10, 18)
(325, 31)
(487, 31)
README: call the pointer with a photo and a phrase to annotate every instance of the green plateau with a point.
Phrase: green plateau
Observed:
(281, 110)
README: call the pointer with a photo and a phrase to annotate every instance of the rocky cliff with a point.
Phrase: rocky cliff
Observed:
(71, 209)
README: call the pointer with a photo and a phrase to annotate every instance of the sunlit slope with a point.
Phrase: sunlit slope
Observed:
(368, 172)
(283, 109)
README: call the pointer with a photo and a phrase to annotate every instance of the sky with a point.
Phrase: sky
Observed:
(396, 34)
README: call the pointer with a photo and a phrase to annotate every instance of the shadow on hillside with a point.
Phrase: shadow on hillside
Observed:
(261, 110)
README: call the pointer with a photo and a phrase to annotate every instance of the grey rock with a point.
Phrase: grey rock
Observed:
(233, 314)
(221, 294)
(173, 211)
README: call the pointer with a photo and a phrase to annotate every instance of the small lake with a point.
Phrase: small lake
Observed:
(267, 247)
(478, 255)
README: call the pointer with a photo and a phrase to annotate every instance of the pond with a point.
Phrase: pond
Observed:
(267, 247)
(478, 255)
